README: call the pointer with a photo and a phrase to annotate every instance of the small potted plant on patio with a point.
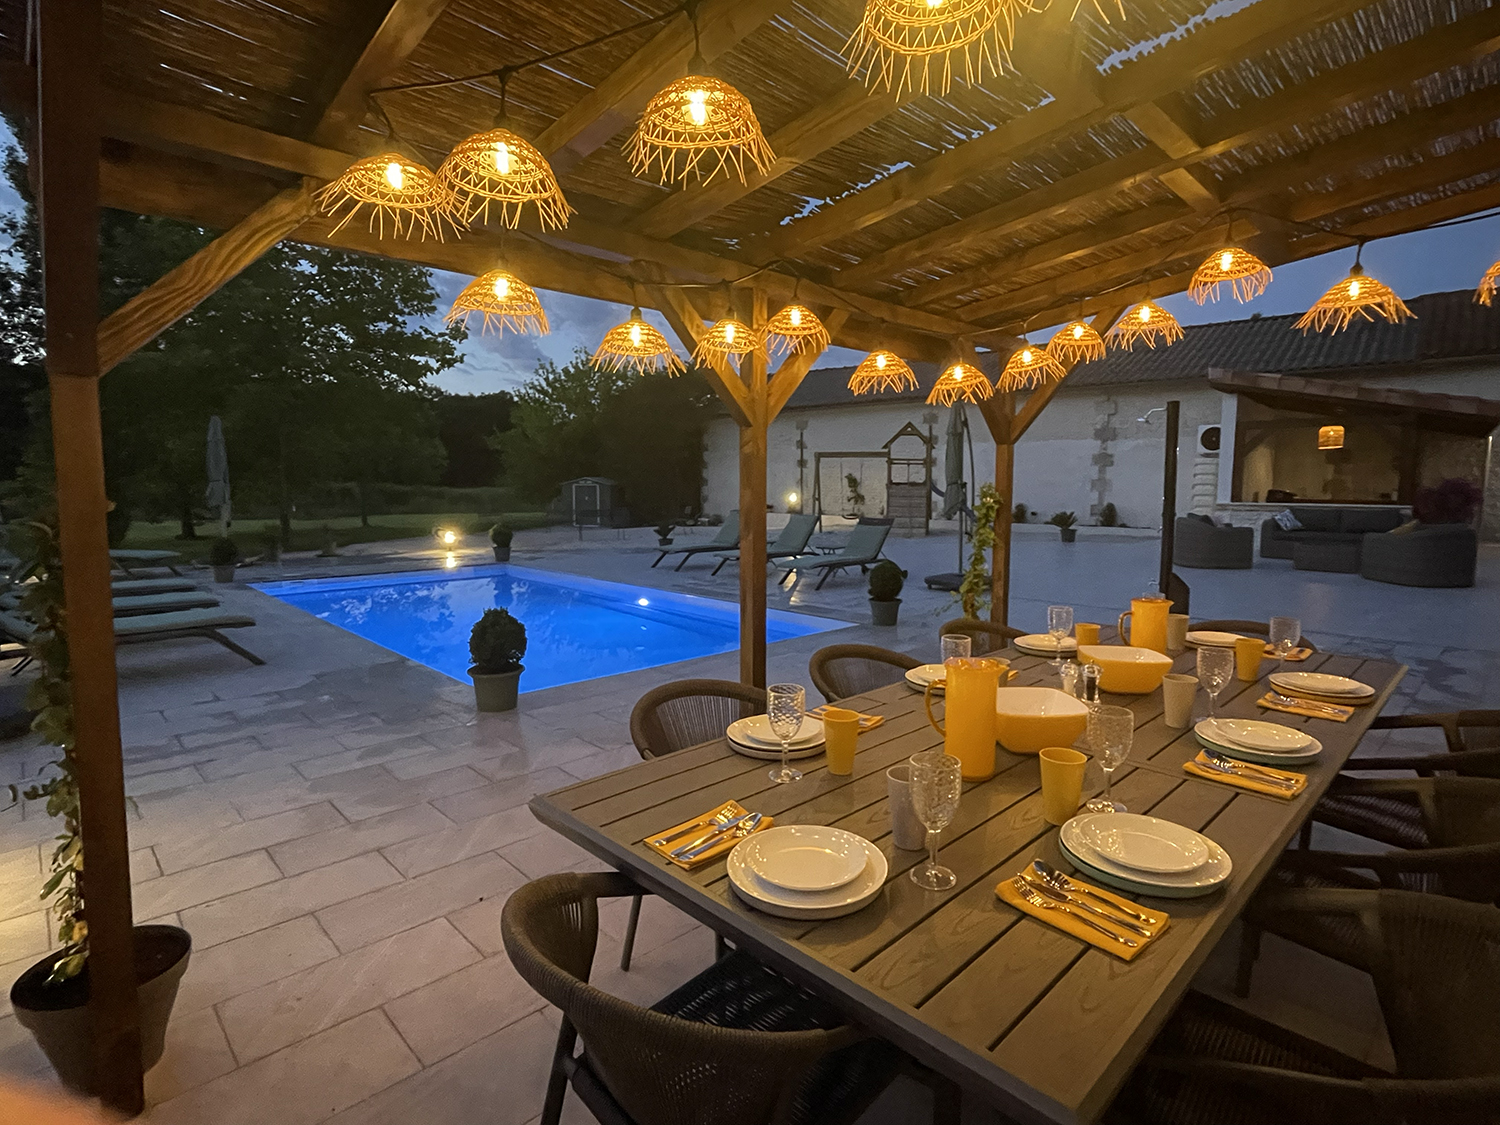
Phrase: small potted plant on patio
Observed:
(664, 534)
(223, 554)
(500, 537)
(886, 580)
(496, 645)
(51, 998)
(1064, 522)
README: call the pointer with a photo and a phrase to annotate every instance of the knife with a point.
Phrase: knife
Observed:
(677, 853)
(713, 820)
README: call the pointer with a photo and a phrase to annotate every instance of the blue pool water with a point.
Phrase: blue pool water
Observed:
(576, 628)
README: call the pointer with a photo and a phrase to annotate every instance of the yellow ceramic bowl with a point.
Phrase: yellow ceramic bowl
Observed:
(1126, 669)
(1027, 719)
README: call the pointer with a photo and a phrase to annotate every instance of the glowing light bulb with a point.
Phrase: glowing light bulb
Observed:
(697, 108)
(502, 287)
(450, 538)
(1354, 288)
(635, 334)
(880, 365)
(1025, 355)
(395, 176)
(642, 601)
(1226, 259)
(796, 317)
(934, 3)
(502, 158)
(1078, 332)
(729, 332)
(791, 498)
(1145, 313)
(955, 374)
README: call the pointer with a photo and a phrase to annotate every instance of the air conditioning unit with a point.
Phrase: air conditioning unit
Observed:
(1208, 441)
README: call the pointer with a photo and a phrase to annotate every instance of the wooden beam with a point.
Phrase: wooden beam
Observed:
(152, 311)
(70, 59)
(684, 319)
(794, 368)
(396, 37)
(753, 446)
(599, 115)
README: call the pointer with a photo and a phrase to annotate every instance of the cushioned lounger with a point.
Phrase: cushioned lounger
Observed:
(866, 542)
(133, 605)
(156, 627)
(728, 536)
(128, 560)
(790, 542)
(122, 586)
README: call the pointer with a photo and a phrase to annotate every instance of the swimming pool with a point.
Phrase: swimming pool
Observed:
(576, 628)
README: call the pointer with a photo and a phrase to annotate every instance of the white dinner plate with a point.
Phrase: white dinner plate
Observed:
(1205, 880)
(756, 731)
(922, 675)
(806, 857)
(813, 905)
(1211, 639)
(1321, 683)
(1263, 757)
(1145, 843)
(1256, 734)
(1042, 644)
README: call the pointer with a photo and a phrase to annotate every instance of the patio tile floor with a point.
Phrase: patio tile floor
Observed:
(339, 829)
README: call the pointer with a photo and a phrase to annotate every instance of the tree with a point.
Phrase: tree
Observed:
(22, 375)
(464, 424)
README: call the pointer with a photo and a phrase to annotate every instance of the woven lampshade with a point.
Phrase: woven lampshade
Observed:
(1246, 274)
(795, 328)
(1030, 365)
(960, 380)
(637, 346)
(694, 118)
(899, 43)
(505, 170)
(882, 371)
(398, 191)
(506, 302)
(1076, 343)
(1357, 295)
(1147, 322)
(727, 339)
(1488, 284)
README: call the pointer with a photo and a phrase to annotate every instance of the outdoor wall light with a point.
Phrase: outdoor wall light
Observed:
(1330, 437)
(448, 536)
(791, 499)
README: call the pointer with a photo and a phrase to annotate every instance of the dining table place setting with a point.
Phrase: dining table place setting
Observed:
(1101, 918)
(1144, 855)
(927, 676)
(1257, 741)
(705, 838)
(754, 737)
(807, 871)
(866, 722)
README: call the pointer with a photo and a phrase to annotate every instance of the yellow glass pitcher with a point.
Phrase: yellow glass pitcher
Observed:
(1148, 623)
(969, 695)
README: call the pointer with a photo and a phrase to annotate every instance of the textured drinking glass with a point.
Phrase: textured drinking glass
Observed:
(957, 646)
(1111, 731)
(1285, 632)
(786, 705)
(936, 783)
(1059, 625)
(1215, 666)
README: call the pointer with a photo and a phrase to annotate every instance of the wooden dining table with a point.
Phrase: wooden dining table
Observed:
(1036, 1022)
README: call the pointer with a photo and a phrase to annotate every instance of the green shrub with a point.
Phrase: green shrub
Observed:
(886, 580)
(1020, 514)
(1062, 519)
(497, 643)
(223, 552)
(1109, 516)
(501, 535)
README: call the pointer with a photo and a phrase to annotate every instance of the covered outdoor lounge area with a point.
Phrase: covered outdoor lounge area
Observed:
(955, 920)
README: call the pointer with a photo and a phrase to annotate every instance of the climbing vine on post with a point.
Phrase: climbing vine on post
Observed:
(974, 591)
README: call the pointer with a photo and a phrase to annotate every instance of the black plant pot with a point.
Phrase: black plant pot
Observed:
(496, 691)
(502, 554)
(58, 1014)
(1068, 534)
(884, 613)
(224, 573)
(663, 541)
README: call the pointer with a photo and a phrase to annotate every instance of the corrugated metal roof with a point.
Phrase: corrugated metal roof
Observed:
(1448, 326)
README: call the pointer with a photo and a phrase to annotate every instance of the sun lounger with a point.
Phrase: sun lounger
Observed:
(728, 536)
(123, 586)
(205, 623)
(866, 542)
(129, 560)
(133, 605)
(792, 541)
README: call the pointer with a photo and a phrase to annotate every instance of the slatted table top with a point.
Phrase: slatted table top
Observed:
(1035, 1021)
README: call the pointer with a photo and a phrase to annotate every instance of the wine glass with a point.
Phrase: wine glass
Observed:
(786, 705)
(936, 783)
(1059, 625)
(1111, 731)
(1215, 666)
(957, 646)
(1285, 632)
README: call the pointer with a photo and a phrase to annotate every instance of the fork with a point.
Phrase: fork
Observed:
(722, 817)
(1031, 895)
(1310, 704)
(1232, 765)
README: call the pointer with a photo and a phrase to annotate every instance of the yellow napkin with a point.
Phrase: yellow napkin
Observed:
(1198, 767)
(1335, 713)
(1067, 918)
(866, 722)
(1295, 655)
(724, 846)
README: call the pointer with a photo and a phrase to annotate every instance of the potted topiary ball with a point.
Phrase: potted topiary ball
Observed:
(496, 645)
(886, 580)
(500, 537)
(223, 553)
(1064, 522)
(664, 534)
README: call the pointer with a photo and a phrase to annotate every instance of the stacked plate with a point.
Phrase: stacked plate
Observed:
(1207, 638)
(1322, 687)
(754, 738)
(1144, 854)
(1251, 740)
(807, 871)
(924, 674)
(1044, 644)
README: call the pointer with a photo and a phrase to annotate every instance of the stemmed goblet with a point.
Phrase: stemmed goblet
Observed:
(786, 705)
(1215, 666)
(936, 784)
(1111, 732)
(1059, 625)
(1284, 632)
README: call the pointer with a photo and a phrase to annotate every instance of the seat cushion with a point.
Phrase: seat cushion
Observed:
(1369, 519)
(1318, 519)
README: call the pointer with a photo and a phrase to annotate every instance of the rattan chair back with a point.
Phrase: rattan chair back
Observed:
(841, 671)
(986, 636)
(689, 713)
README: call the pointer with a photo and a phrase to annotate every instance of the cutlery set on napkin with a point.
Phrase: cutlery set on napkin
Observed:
(1105, 920)
(705, 838)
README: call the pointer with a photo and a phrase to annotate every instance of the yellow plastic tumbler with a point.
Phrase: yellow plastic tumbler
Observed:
(1062, 783)
(1248, 652)
(841, 732)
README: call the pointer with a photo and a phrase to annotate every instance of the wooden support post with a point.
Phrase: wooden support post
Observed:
(70, 61)
(753, 445)
(999, 413)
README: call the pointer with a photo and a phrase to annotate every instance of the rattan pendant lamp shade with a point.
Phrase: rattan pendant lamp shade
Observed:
(502, 169)
(960, 380)
(1030, 365)
(399, 193)
(637, 346)
(727, 339)
(1076, 343)
(1246, 275)
(1488, 284)
(899, 43)
(1358, 295)
(795, 328)
(882, 371)
(1146, 323)
(505, 301)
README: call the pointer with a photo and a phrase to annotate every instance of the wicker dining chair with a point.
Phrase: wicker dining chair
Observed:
(1435, 963)
(1254, 628)
(986, 636)
(673, 717)
(839, 671)
(737, 1043)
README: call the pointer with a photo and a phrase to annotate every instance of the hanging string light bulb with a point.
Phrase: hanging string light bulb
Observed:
(727, 339)
(505, 301)
(501, 167)
(795, 328)
(898, 43)
(696, 117)
(637, 346)
(1147, 322)
(960, 380)
(1357, 295)
(1030, 365)
(1076, 343)
(1488, 284)
(882, 371)
(1246, 275)
(398, 191)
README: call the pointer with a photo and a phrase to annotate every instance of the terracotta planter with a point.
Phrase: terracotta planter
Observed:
(58, 1015)
(224, 573)
(1069, 534)
(496, 691)
(502, 554)
(884, 613)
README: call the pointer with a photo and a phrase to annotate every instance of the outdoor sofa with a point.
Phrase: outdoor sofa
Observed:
(728, 536)
(1199, 542)
(1326, 523)
(791, 541)
(1432, 555)
(866, 542)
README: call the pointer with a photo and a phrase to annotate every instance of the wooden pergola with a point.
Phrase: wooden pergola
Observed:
(1095, 173)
